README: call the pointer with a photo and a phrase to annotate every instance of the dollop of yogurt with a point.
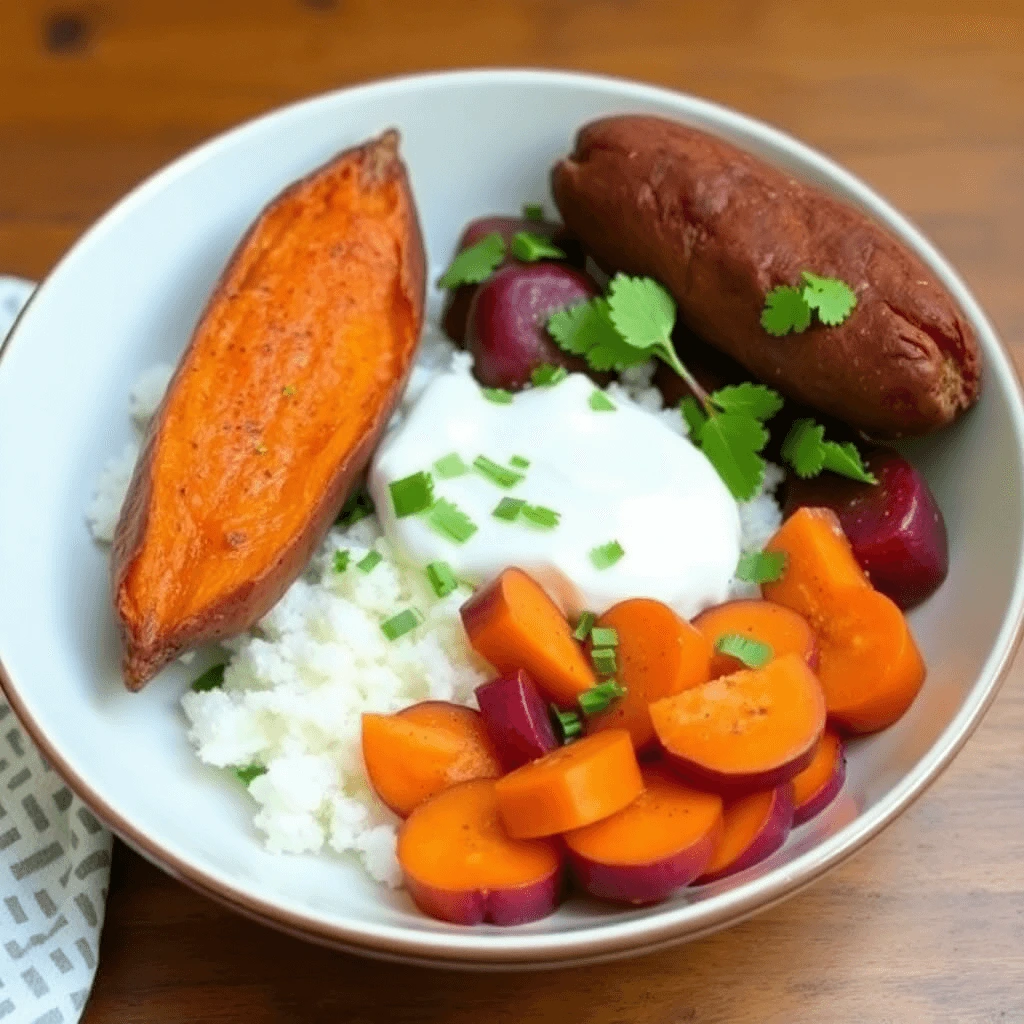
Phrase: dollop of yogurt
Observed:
(619, 475)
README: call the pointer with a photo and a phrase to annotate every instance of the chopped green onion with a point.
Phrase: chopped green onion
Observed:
(341, 559)
(519, 462)
(450, 521)
(604, 659)
(412, 494)
(400, 624)
(370, 561)
(600, 402)
(598, 698)
(567, 724)
(250, 772)
(358, 506)
(762, 566)
(441, 578)
(533, 211)
(529, 247)
(211, 679)
(450, 466)
(547, 376)
(497, 474)
(751, 652)
(539, 515)
(606, 555)
(508, 509)
(499, 396)
(584, 625)
(604, 636)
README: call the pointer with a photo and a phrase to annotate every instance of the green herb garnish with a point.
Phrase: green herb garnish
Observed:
(357, 506)
(567, 724)
(762, 566)
(586, 329)
(450, 466)
(600, 402)
(400, 624)
(249, 772)
(751, 652)
(606, 555)
(496, 473)
(604, 636)
(789, 309)
(441, 578)
(693, 415)
(604, 660)
(599, 698)
(508, 509)
(476, 263)
(499, 396)
(529, 248)
(533, 211)
(450, 521)
(539, 515)
(547, 376)
(519, 461)
(341, 560)
(807, 451)
(211, 679)
(369, 561)
(584, 626)
(412, 494)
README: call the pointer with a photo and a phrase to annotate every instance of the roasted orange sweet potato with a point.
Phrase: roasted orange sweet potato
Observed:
(720, 228)
(275, 408)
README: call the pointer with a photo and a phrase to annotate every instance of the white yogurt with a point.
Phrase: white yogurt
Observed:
(613, 476)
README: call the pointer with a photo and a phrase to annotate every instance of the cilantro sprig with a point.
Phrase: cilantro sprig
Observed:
(788, 308)
(633, 323)
(475, 263)
(807, 451)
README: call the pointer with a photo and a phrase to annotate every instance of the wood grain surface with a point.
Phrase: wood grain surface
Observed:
(924, 99)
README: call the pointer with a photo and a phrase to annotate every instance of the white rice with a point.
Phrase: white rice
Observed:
(296, 685)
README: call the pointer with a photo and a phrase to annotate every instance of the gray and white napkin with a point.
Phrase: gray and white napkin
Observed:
(54, 860)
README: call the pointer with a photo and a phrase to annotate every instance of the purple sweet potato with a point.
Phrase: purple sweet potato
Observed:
(516, 719)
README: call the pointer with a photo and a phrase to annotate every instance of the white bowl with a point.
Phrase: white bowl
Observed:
(127, 295)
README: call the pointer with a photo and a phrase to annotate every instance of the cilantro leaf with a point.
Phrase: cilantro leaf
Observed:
(785, 310)
(751, 399)
(833, 299)
(529, 248)
(644, 314)
(693, 415)
(845, 460)
(762, 566)
(807, 451)
(804, 448)
(731, 441)
(475, 264)
(586, 330)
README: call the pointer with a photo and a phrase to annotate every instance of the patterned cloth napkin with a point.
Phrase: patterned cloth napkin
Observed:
(54, 861)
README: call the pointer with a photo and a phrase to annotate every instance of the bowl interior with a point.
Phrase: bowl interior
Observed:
(128, 295)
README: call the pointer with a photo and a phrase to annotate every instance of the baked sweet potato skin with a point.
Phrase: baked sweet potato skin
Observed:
(720, 228)
(276, 406)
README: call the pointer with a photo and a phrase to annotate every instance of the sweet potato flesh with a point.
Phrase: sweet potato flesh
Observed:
(291, 375)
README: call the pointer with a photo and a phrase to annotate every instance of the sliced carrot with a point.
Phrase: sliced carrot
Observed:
(751, 730)
(514, 624)
(819, 783)
(570, 787)
(424, 749)
(658, 654)
(869, 665)
(460, 864)
(782, 629)
(662, 840)
(754, 827)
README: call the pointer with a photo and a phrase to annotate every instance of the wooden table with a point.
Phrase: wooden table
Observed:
(924, 99)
